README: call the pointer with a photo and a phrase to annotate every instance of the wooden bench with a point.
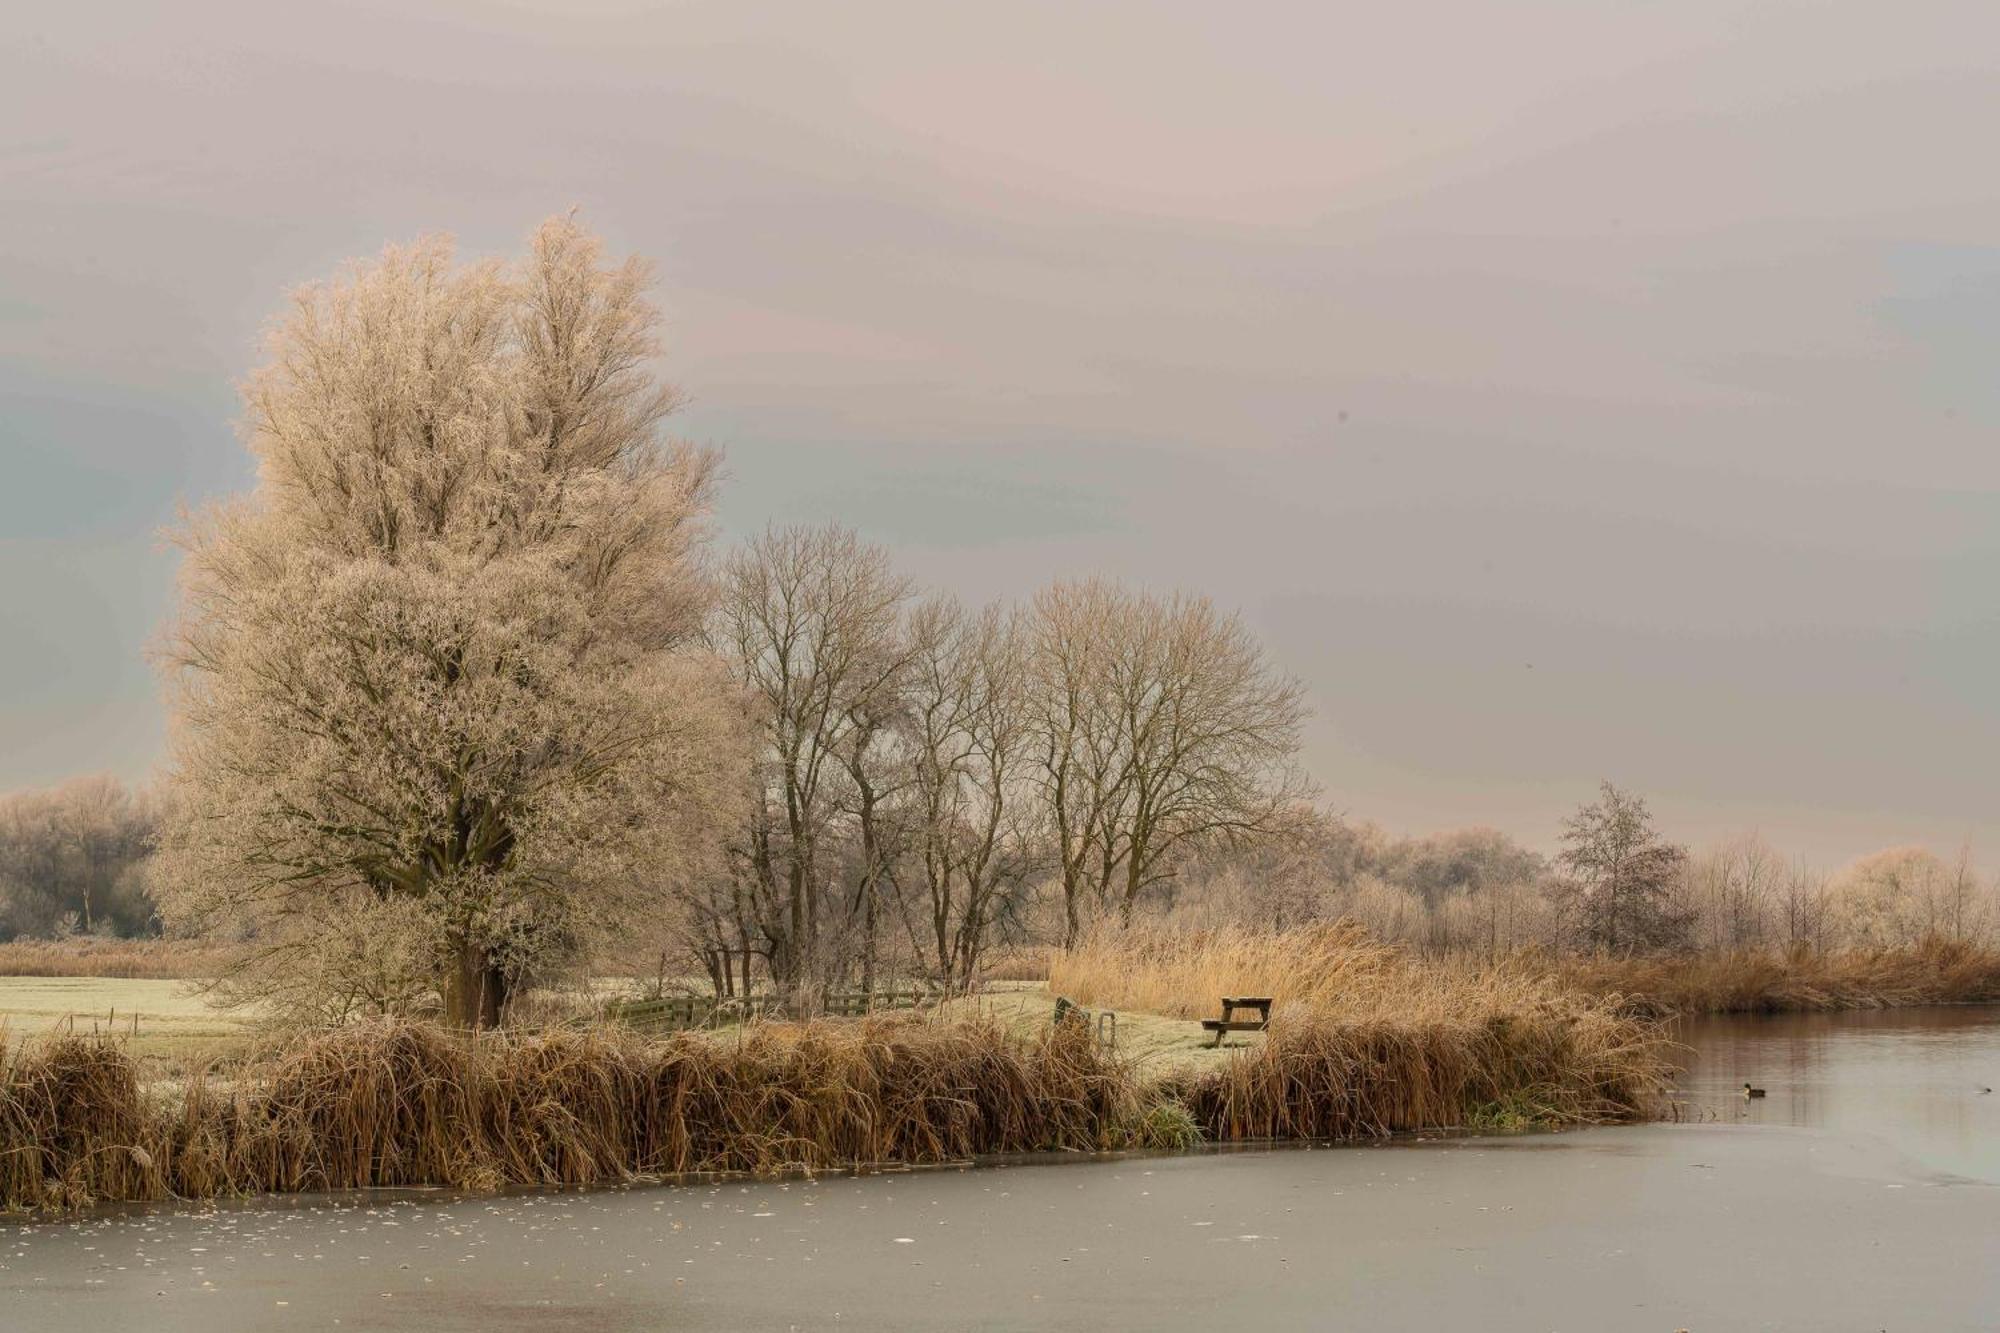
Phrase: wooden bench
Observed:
(1230, 1023)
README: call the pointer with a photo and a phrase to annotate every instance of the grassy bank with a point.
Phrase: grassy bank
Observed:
(165, 1027)
(402, 1104)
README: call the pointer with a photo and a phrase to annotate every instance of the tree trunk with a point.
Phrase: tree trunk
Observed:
(475, 991)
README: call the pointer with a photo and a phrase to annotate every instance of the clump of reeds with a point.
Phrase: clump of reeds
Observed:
(72, 1125)
(1322, 1076)
(89, 956)
(1938, 971)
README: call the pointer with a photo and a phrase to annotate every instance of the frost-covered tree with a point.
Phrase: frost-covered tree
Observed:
(74, 856)
(442, 710)
(1904, 896)
(1618, 876)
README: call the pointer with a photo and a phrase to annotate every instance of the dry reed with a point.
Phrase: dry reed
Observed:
(1770, 981)
(1367, 1040)
(86, 956)
(1183, 973)
(400, 1104)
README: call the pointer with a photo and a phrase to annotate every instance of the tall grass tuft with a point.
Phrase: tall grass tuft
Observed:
(73, 1126)
(1183, 973)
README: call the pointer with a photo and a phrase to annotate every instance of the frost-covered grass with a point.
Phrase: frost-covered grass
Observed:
(1155, 1044)
(176, 1028)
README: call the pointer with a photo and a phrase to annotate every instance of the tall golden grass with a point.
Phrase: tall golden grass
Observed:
(125, 959)
(1340, 968)
(1760, 981)
(1367, 1040)
(1183, 973)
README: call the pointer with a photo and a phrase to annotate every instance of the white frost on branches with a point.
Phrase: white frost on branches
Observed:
(443, 717)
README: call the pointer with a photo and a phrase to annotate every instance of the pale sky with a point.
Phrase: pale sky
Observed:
(1563, 390)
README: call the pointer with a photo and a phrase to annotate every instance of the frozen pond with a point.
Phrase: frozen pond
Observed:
(1860, 1194)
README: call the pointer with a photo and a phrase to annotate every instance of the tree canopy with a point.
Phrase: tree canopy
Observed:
(443, 715)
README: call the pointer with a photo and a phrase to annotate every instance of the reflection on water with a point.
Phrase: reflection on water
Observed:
(1909, 1077)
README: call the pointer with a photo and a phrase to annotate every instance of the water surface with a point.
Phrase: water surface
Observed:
(1855, 1196)
(1912, 1080)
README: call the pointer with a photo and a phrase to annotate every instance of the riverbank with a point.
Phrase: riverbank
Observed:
(1653, 1227)
(405, 1104)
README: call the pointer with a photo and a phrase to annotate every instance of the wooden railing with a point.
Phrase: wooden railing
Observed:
(676, 1013)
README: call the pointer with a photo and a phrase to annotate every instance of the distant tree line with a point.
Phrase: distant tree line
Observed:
(1616, 886)
(73, 860)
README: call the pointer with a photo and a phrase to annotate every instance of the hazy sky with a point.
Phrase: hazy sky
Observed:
(1563, 390)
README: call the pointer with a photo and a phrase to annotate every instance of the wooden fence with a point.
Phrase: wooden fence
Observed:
(675, 1013)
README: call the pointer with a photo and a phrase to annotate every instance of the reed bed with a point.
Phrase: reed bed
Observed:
(1366, 1040)
(1771, 981)
(1318, 1076)
(1340, 968)
(163, 960)
(405, 1104)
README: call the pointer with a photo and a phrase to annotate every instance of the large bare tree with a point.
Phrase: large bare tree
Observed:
(1158, 723)
(443, 709)
(1079, 757)
(972, 840)
(811, 620)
